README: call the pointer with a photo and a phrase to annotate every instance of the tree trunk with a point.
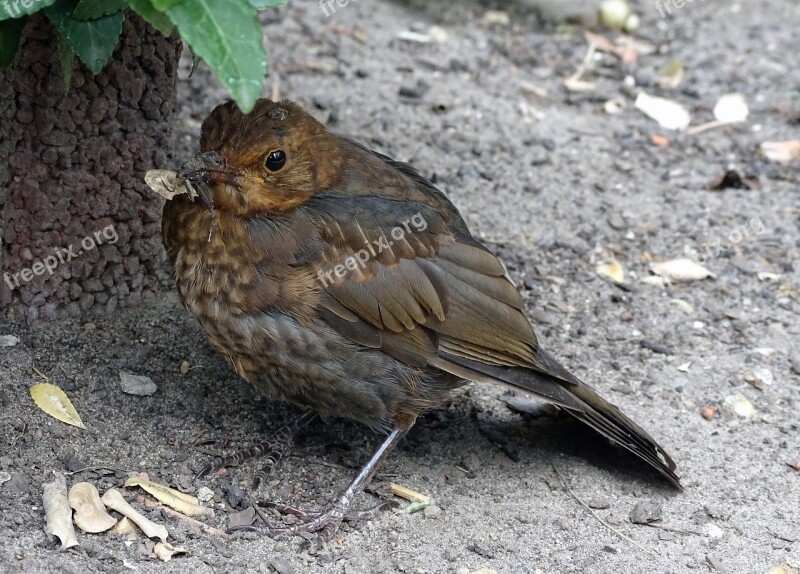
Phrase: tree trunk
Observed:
(80, 230)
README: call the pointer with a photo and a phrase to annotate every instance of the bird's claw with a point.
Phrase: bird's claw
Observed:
(321, 525)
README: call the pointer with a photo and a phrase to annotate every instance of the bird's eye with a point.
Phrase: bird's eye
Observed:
(275, 160)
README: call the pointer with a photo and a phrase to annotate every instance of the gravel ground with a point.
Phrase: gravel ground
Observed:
(555, 185)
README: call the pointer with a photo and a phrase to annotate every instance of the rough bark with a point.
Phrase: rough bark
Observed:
(72, 168)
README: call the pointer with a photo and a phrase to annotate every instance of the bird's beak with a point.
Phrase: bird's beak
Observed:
(207, 167)
(203, 172)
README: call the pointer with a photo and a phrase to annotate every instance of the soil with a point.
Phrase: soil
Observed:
(555, 185)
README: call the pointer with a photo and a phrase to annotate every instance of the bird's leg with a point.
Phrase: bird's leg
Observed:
(325, 523)
(274, 448)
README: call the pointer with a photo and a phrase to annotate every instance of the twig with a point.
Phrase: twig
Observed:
(180, 516)
(38, 372)
(96, 468)
(707, 126)
(672, 529)
(600, 520)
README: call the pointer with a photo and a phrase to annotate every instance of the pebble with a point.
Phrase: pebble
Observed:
(433, 512)
(715, 564)
(709, 412)
(740, 406)
(762, 377)
(281, 565)
(794, 361)
(204, 494)
(9, 340)
(713, 531)
(137, 384)
(244, 518)
(646, 512)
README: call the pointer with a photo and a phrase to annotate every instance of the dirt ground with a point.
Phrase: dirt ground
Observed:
(555, 185)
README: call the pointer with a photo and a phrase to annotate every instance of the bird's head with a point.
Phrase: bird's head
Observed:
(271, 160)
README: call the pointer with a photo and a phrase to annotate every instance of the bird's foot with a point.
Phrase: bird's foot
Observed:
(275, 448)
(321, 525)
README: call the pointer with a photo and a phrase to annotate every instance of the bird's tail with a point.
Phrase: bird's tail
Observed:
(558, 386)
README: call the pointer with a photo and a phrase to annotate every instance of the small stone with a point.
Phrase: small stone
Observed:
(762, 377)
(709, 413)
(740, 406)
(204, 494)
(713, 531)
(137, 384)
(599, 504)
(716, 564)
(432, 512)
(9, 341)
(243, 518)
(4, 478)
(646, 512)
(794, 361)
(666, 536)
(471, 462)
(281, 565)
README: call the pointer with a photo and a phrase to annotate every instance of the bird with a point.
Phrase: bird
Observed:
(337, 279)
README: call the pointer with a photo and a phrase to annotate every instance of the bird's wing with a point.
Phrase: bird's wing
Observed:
(406, 276)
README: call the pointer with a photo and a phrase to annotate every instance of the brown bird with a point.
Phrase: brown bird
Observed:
(340, 280)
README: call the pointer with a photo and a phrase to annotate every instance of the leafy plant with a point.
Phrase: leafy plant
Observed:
(225, 34)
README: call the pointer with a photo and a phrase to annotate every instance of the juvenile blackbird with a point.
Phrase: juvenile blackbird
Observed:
(340, 280)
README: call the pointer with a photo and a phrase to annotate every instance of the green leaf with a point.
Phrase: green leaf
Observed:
(261, 4)
(65, 58)
(164, 5)
(228, 37)
(10, 9)
(156, 18)
(92, 40)
(10, 31)
(91, 9)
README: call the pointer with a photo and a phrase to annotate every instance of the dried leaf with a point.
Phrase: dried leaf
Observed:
(58, 513)
(90, 512)
(408, 494)
(167, 184)
(731, 108)
(680, 270)
(612, 270)
(575, 85)
(165, 551)
(600, 42)
(670, 115)
(782, 152)
(55, 403)
(671, 74)
(180, 501)
(127, 528)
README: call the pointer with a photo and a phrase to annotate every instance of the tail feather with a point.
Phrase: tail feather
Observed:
(558, 386)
